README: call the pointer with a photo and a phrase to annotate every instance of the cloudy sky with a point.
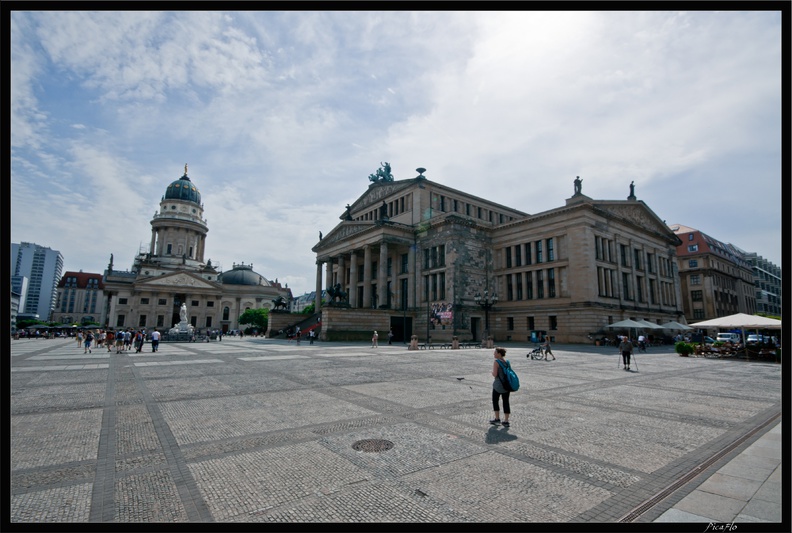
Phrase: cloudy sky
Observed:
(281, 117)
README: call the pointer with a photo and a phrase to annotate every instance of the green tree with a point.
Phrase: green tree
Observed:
(309, 309)
(258, 318)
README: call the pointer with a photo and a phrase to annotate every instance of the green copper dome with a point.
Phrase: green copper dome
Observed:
(183, 189)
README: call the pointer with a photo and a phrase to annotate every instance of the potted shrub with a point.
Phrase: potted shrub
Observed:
(683, 349)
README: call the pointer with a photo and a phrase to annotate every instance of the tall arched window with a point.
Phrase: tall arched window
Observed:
(226, 311)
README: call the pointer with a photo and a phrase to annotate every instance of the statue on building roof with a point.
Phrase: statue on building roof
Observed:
(185, 169)
(578, 185)
(632, 189)
(348, 214)
(383, 173)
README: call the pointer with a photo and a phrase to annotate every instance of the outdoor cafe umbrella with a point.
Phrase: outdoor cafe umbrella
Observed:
(742, 321)
(649, 325)
(626, 324)
(676, 326)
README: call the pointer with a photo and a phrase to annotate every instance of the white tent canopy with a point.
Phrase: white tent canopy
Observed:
(740, 320)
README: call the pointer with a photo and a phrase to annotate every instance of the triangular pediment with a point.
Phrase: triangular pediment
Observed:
(636, 213)
(343, 231)
(177, 279)
(377, 192)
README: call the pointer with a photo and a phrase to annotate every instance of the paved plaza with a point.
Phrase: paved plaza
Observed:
(268, 431)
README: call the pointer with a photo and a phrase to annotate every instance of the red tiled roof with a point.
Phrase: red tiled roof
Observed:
(82, 279)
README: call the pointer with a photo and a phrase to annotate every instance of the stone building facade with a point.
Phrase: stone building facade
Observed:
(173, 272)
(80, 299)
(716, 280)
(418, 256)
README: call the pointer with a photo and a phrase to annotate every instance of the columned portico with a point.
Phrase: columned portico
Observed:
(318, 297)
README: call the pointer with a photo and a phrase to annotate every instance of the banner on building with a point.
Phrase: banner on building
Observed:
(441, 314)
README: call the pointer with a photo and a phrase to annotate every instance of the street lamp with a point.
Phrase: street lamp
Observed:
(486, 303)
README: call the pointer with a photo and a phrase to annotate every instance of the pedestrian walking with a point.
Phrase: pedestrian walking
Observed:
(139, 338)
(374, 340)
(79, 338)
(119, 336)
(626, 350)
(390, 336)
(546, 348)
(642, 343)
(109, 340)
(155, 338)
(311, 336)
(89, 337)
(499, 390)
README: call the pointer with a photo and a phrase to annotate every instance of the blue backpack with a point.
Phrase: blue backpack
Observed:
(512, 382)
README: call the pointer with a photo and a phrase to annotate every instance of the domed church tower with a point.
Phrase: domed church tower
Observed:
(178, 230)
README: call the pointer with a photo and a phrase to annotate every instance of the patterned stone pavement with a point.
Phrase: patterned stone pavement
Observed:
(257, 430)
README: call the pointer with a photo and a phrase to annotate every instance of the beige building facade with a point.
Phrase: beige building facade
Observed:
(173, 272)
(421, 258)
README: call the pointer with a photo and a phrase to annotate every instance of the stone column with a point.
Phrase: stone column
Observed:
(353, 276)
(342, 272)
(366, 277)
(153, 241)
(382, 277)
(318, 297)
(329, 273)
(412, 277)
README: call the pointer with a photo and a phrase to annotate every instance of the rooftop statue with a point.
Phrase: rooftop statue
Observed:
(383, 173)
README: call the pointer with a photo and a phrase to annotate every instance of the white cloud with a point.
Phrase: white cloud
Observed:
(283, 115)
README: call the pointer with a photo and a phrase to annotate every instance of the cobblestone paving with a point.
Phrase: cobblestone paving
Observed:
(262, 431)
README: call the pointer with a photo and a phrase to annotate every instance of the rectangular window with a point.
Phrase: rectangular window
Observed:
(550, 253)
(639, 288)
(162, 301)
(553, 322)
(510, 323)
(693, 263)
(597, 247)
(441, 289)
(441, 255)
(637, 257)
(551, 290)
(390, 266)
(509, 288)
(528, 253)
(169, 250)
(467, 209)
(539, 284)
(518, 255)
(142, 321)
(519, 295)
(698, 313)
(427, 258)
(692, 247)
(404, 264)
(530, 323)
(194, 303)
(695, 279)
(690, 236)
(209, 304)
(624, 258)
(160, 321)
(208, 322)
(122, 301)
(507, 254)
(194, 321)
(529, 286)
(697, 296)
(144, 301)
(650, 259)
(652, 291)
(626, 286)
(120, 321)
(538, 251)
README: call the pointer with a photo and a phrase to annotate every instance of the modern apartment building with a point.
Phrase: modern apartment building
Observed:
(42, 267)
(767, 279)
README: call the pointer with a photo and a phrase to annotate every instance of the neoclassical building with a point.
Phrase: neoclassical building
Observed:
(422, 258)
(173, 271)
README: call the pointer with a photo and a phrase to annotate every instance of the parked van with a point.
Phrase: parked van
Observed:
(729, 337)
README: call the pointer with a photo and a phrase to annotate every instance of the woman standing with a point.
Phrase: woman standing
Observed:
(499, 390)
(626, 349)
(375, 340)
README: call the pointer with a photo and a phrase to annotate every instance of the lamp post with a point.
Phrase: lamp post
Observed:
(486, 302)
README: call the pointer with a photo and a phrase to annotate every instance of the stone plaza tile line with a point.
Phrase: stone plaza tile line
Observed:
(260, 431)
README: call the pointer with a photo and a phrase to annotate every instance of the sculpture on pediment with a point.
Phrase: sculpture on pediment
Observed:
(383, 173)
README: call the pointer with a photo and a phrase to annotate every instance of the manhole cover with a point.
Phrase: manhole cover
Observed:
(372, 445)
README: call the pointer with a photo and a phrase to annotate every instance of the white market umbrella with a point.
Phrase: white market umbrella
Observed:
(649, 325)
(676, 326)
(625, 324)
(742, 321)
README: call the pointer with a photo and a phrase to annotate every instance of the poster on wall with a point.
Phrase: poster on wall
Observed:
(441, 314)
